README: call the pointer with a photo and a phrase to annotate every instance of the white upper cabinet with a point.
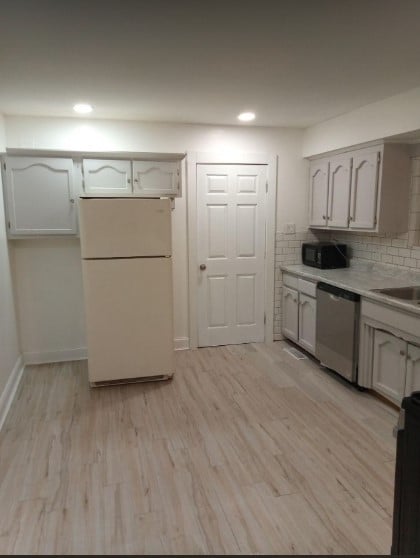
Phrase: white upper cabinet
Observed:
(107, 177)
(364, 186)
(156, 178)
(367, 190)
(339, 192)
(40, 198)
(146, 179)
(318, 193)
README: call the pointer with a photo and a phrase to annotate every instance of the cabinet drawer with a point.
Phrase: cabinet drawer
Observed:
(307, 287)
(290, 280)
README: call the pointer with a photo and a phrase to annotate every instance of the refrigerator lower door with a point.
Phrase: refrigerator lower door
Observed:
(129, 319)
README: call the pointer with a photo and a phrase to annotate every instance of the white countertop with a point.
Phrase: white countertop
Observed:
(360, 278)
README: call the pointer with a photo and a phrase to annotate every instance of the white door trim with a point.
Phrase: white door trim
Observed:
(196, 158)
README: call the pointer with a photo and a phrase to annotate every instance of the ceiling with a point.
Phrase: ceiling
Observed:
(293, 62)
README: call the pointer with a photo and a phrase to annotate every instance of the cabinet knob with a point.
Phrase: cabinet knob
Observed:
(324, 217)
(71, 200)
(203, 267)
(408, 357)
(402, 353)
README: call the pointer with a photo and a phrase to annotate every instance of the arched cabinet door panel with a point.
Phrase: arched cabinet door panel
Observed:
(107, 177)
(40, 196)
(156, 178)
(339, 192)
(318, 193)
(290, 311)
(364, 186)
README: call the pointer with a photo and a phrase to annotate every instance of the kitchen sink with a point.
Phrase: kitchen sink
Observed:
(411, 294)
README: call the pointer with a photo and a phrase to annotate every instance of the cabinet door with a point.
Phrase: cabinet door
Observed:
(364, 185)
(339, 192)
(412, 382)
(318, 194)
(290, 313)
(307, 322)
(156, 178)
(107, 177)
(40, 196)
(389, 365)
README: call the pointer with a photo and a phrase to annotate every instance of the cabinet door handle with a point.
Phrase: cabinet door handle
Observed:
(402, 353)
(408, 357)
(71, 200)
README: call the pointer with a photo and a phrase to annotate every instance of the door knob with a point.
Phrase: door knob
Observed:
(203, 267)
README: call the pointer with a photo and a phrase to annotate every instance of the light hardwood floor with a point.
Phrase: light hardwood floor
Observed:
(247, 450)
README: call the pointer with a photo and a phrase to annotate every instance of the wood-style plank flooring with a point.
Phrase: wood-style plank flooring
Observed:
(247, 450)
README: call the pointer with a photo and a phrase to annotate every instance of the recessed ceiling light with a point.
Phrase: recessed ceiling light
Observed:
(82, 108)
(246, 116)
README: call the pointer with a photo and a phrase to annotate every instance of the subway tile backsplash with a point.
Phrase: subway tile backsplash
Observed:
(401, 250)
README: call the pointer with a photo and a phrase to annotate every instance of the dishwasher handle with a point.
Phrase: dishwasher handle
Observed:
(337, 292)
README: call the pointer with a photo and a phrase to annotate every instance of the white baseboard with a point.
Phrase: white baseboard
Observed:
(55, 356)
(44, 357)
(6, 398)
(181, 343)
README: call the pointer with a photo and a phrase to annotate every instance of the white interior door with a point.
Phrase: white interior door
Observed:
(231, 252)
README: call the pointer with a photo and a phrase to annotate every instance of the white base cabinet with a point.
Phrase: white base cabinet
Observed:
(290, 311)
(307, 322)
(412, 380)
(389, 356)
(389, 365)
(299, 311)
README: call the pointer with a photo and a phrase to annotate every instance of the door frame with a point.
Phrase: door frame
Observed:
(195, 158)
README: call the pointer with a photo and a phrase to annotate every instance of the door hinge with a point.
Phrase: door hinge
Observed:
(8, 224)
(265, 319)
(266, 186)
(379, 157)
(4, 166)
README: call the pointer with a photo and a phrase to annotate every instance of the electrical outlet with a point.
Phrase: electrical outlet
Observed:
(289, 228)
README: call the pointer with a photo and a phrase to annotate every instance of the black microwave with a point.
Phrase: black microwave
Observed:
(324, 255)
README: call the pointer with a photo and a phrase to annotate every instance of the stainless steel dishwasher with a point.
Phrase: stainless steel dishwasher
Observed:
(337, 329)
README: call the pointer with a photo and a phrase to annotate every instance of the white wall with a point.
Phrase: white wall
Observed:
(9, 345)
(95, 135)
(399, 114)
(2, 134)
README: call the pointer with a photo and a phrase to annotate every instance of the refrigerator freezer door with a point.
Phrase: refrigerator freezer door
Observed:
(129, 318)
(125, 228)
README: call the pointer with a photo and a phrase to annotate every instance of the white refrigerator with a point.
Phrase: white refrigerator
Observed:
(127, 277)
